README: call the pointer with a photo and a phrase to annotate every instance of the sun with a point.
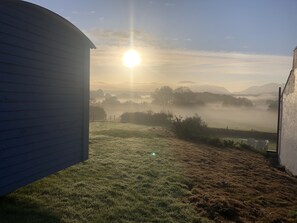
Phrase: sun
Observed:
(131, 58)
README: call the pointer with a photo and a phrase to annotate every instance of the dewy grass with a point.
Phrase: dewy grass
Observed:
(131, 176)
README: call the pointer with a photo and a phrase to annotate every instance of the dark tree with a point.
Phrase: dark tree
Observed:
(163, 96)
(110, 101)
(97, 94)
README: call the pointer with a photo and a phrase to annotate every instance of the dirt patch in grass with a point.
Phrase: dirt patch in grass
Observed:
(230, 185)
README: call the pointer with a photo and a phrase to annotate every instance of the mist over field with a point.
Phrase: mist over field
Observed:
(256, 117)
(216, 116)
(233, 118)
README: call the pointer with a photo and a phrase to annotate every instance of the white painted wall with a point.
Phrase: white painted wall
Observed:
(288, 139)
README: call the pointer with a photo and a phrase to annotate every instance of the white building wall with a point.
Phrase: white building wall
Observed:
(288, 139)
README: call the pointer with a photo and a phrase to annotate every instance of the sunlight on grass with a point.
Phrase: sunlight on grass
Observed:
(123, 181)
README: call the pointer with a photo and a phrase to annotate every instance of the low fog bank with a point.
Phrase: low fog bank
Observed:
(261, 116)
(234, 118)
(214, 115)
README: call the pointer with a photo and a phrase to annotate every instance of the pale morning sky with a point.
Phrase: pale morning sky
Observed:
(229, 43)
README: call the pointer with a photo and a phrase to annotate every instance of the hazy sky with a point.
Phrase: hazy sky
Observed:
(229, 43)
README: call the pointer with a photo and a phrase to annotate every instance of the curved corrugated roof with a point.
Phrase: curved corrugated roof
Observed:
(51, 14)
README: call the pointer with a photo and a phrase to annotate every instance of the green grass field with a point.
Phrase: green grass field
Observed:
(139, 173)
(131, 176)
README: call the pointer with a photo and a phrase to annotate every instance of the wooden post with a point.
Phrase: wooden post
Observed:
(294, 59)
(278, 121)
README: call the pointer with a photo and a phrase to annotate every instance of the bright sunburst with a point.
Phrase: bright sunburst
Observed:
(131, 58)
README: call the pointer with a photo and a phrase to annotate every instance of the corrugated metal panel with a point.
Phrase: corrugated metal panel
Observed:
(40, 158)
(31, 88)
(38, 16)
(19, 41)
(37, 64)
(43, 40)
(17, 23)
(29, 145)
(29, 71)
(37, 55)
(38, 130)
(44, 87)
(52, 168)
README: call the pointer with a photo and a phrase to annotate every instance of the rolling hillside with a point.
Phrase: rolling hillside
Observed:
(271, 88)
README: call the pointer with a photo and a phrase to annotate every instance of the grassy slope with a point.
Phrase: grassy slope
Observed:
(121, 182)
(236, 185)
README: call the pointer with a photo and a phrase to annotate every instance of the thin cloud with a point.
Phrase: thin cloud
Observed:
(186, 82)
(109, 37)
(161, 64)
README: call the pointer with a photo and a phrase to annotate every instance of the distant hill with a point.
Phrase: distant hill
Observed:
(271, 88)
(209, 88)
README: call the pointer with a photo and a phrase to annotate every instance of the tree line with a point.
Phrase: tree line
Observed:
(183, 96)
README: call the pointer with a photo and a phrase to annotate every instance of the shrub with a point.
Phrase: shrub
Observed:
(97, 113)
(192, 128)
(214, 141)
(147, 118)
(244, 146)
(229, 143)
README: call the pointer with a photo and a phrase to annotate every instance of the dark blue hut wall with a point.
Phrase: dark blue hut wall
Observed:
(44, 84)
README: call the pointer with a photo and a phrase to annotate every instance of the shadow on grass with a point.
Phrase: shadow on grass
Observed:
(16, 211)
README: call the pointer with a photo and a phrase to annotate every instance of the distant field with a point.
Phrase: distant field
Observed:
(144, 174)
